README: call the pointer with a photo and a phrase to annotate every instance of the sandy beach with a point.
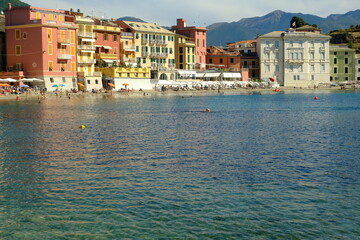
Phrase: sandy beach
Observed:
(152, 93)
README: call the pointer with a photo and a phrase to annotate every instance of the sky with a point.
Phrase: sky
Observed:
(197, 12)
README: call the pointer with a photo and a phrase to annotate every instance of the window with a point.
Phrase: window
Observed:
(267, 68)
(277, 68)
(312, 67)
(300, 68)
(61, 18)
(346, 70)
(335, 60)
(96, 81)
(50, 66)
(49, 35)
(52, 80)
(335, 53)
(277, 44)
(291, 43)
(115, 37)
(38, 15)
(221, 60)
(72, 37)
(73, 67)
(300, 43)
(277, 56)
(294, 77)
(64, 80)
(358, 70)
(346, 53)
(137, 48)
(291, 68)
(17, 34)
(51, 17)
(313, 77)
(298, 77)
(50, 49)
(88, 81)
(106, 37)
(72, 50)
(17, 50)
(180, 49)
(63, 67)
(231, 60)
(144, 60)
(346, 61)
(197, 43)
(210, 60)
(203, 42)
(322, 67)
(137, 35)
(24, 35)
(312, 43)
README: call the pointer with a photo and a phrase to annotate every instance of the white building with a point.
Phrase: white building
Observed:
(294, 59)
(357, 67)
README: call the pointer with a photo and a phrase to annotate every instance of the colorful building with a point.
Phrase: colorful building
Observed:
(196, 34)
(184, 53)
(342, 63)
(41, 43)
(85, 38)
(294, 59)
(154, 45)
(107, 43)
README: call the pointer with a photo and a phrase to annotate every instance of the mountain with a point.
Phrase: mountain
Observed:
(131, 19)
(249, 28)
(14, 3)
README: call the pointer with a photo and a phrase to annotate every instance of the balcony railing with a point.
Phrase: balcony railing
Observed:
(127, 35)
(106, 56)
(64, 41)
(129, 48)
(64, 56)
(144, 54)
(87, 47)
(87, 61)
(86, 34)
(144, 41)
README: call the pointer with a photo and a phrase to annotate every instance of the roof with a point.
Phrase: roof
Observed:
(147, 27)
(241, 42)
(293, 34)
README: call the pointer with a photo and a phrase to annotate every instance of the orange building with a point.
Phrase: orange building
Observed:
(196, 34)
(41, 43)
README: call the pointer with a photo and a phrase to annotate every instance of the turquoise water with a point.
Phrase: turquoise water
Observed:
(270, 166)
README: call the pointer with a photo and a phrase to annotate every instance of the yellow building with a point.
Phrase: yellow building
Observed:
(184, 52)
(152, 46)
(126, 77)
(86, 52)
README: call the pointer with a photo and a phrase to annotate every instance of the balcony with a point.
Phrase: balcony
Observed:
(129, 48)
(144, 54)
(64, 56)
(152, 41)
(87, 74)
(64, 41)
(144, 41)
(161, 42)
(295, 60)
(86, 34)
(87, 61)
(87, 47)
(106, 56)
(126, 35)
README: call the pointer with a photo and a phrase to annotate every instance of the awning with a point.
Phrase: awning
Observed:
(212, 75)
(186, 74)
(231, 75)
(107, 47)
(87, 51)
(109, 61)
(88, 40)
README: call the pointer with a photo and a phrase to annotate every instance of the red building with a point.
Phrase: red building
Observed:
(196, 34)
(41, 43)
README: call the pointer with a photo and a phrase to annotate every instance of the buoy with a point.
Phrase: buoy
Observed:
(207, 110)
(82, 126)
(316, 98)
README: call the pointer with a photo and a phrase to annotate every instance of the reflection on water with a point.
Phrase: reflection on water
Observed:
(256, 166)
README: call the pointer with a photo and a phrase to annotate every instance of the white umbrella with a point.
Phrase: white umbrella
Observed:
(31, 80)
(7, 80)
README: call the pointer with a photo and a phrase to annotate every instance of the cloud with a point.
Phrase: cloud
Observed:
(198, 12)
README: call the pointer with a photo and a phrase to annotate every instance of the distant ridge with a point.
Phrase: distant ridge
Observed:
(248, 28)
(131, 19)
(14, 3)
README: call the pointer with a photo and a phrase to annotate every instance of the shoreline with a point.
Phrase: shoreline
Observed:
(154, 93)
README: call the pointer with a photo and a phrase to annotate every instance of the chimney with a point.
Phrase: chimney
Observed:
(9, 6)
(181, 23)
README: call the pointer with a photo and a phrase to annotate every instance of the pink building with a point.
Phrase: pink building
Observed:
(41, 43)
(196, 34)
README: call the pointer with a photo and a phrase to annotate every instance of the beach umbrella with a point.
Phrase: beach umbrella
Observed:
(62, 85)
(24, 86)
(55, 85)
(4, 85)
(125, 84)
(7, 80)
(111, 84)
(80, 84)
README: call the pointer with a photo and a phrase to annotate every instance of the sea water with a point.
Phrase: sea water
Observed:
(259, 166)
